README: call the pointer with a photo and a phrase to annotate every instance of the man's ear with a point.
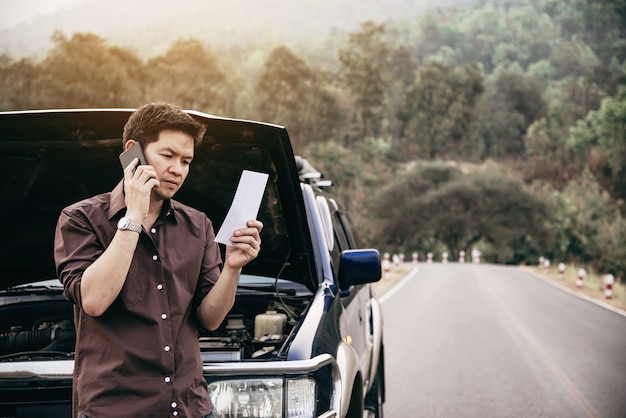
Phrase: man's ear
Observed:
(129, 144)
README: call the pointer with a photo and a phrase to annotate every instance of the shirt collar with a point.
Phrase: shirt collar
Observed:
(118, 204)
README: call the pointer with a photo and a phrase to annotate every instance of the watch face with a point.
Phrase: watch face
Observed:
(125, 224)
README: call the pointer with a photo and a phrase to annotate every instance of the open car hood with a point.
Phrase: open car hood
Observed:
(52, 158)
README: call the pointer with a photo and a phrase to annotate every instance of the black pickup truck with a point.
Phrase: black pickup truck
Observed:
(305, 337)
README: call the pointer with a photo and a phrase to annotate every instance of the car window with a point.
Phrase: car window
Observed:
(345, 231)
(335, 255)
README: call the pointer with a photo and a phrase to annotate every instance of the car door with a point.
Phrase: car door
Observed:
(356, 321)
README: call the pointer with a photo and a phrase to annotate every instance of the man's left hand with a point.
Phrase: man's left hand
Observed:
(246, 244)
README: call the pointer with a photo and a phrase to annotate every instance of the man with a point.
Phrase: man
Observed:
(143, 271)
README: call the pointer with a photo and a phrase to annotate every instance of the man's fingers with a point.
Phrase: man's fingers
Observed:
(129, 169)
(145, 175)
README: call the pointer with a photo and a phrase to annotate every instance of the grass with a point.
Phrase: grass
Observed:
(593, 284)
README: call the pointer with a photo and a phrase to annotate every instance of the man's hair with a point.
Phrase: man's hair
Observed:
(147, 121)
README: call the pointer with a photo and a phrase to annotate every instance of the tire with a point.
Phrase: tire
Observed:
(356, 409)
(374, 399)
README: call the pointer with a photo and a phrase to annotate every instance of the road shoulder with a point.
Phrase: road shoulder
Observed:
(591, 295)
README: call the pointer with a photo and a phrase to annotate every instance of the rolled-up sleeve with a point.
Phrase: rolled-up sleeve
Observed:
(211, 265)
(76, 246)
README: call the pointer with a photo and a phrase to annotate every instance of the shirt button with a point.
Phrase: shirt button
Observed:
(164, 316)
(167, 379)
(174, 404)
(167, 348)
(153, 230)
(159, 286)
(155, 257)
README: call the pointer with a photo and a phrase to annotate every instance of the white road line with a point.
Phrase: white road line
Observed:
(398, 285)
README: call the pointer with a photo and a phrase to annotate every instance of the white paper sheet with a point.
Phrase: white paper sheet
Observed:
(245, 205)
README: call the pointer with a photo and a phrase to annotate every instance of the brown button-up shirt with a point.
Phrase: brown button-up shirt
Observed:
(141, 357)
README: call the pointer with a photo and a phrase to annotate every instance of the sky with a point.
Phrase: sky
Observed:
(14, 12)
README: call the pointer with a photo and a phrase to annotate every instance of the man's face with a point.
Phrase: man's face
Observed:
(170, 157)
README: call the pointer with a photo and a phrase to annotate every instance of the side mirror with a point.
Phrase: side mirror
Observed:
(359, 267)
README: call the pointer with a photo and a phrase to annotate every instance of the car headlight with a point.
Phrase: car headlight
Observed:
(301, 398)
(263, 398)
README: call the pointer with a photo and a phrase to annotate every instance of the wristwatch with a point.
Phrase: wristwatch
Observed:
(125, 224)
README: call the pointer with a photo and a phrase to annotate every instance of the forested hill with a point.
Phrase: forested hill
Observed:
(526, 97)
(151, 26)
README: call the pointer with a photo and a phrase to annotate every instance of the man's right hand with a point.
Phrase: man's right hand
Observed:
(138, 185)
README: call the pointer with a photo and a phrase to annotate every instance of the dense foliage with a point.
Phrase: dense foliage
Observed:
(499, 126)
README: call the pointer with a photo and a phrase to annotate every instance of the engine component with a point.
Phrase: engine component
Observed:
(269, 323)
(60, 336)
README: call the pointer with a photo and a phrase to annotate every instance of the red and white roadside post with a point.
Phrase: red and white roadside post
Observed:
(461, 256)
(415, 255)
(429, 258)
(541, 261)
(396, 262)
(386, 265)
(561, 271)
(546, 265)
(581, 277)
(401, 255)
(476, 256)
(444, 257)
(608, 282)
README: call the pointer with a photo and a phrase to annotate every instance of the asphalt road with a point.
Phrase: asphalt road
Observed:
(468, 340)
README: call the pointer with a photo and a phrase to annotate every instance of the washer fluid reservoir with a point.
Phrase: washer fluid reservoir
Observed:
(269, 323)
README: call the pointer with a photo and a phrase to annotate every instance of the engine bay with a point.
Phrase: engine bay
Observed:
(257, 328)
(42, 327)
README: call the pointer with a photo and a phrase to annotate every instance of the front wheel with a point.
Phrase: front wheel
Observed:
(374, 399)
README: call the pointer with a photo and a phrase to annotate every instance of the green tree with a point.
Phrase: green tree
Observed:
(430, 33)
(604, 130)
(290, 93)
(403, 69)
(16, 83)
(355, 174)
(509, 106)
(484, 28)
(547, 153)
(365, 65)
(547, 156)
(188, 74)
(573, 58)
(441, 103)
(590, 227)
(83, 71)
(436, 203)
(598, 23)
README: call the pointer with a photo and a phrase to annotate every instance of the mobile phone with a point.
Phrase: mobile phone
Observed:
(135, 151)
